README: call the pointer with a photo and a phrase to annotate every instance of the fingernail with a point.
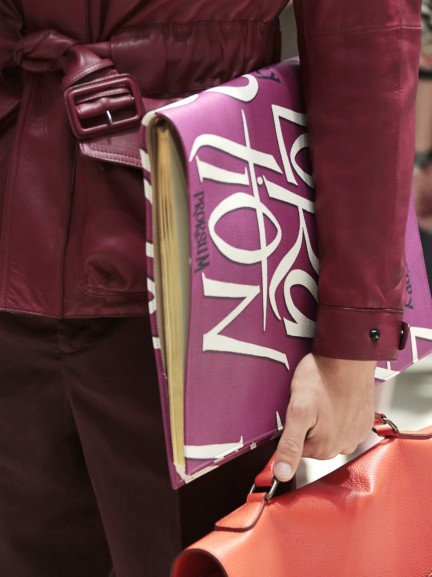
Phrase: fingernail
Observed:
(283, 471)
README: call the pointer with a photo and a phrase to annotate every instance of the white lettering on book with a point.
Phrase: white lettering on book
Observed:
(287, 274)
(281, 113)
(244, 93)
(151, 289)
(279, 424)
(200, 233)
(217, 451)
(149, 250)
(145, 160)
(148, 193)
(301, 326)
(215, 341)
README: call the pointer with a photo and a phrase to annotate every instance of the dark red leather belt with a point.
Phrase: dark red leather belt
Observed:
(98, 99)
(109, 85)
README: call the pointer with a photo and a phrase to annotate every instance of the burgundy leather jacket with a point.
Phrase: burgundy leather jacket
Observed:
(72, 240)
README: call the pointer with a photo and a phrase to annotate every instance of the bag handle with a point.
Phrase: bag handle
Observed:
(383, 427)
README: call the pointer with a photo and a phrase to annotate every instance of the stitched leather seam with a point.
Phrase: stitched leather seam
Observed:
(82, 278)
(69, 80)
(361, 309)
(95, 291)
(108, 151)
(112, 157)
(113, 154)
(67, 231)
(158, 26)
(7, 216)
(365, 30)
(77, 316)
(396, 197)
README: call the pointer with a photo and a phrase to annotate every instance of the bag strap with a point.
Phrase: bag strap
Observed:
(265, 479)
(383, 427)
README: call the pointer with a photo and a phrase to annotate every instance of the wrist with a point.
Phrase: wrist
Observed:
(347, 372)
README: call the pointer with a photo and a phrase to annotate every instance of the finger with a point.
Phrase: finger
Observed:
(290, 447)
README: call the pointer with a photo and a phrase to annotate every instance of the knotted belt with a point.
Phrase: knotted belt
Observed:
(98, 99)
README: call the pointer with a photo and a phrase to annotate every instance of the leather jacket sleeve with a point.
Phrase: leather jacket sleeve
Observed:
(359, 63)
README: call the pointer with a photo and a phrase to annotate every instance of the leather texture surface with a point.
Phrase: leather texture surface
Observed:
(374, 513)
(367, 101)
(80, 200)
(72, 209)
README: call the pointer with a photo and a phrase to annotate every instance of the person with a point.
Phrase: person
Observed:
(360, 294)
(422, 176)
(84, 482)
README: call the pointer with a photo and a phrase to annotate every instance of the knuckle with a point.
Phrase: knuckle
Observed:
(332, 449)
(322, 451)
(301, 409)
(289, 446)
(326, 455)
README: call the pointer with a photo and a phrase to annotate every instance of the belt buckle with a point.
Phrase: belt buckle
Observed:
(104, 106)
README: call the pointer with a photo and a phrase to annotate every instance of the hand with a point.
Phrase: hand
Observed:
(331, 411)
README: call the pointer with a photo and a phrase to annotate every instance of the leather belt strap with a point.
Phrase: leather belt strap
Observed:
(98, 99)
(105, 105)
(48, 50)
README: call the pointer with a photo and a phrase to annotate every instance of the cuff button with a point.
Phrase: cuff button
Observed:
(374, 335)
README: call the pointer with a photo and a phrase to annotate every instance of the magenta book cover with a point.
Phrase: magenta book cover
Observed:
(253, 266)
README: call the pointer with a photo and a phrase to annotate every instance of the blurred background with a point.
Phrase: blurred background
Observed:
(407, 399)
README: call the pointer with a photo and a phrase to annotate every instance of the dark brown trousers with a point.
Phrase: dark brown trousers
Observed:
(84, 484)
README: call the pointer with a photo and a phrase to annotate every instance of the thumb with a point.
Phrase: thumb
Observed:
(290, 447)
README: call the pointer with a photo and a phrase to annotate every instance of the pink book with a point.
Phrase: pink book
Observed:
(233, 268)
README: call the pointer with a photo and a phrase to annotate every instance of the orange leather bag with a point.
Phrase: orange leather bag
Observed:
(370, 518)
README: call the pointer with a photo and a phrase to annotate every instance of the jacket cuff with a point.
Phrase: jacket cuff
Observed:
(359, 334)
